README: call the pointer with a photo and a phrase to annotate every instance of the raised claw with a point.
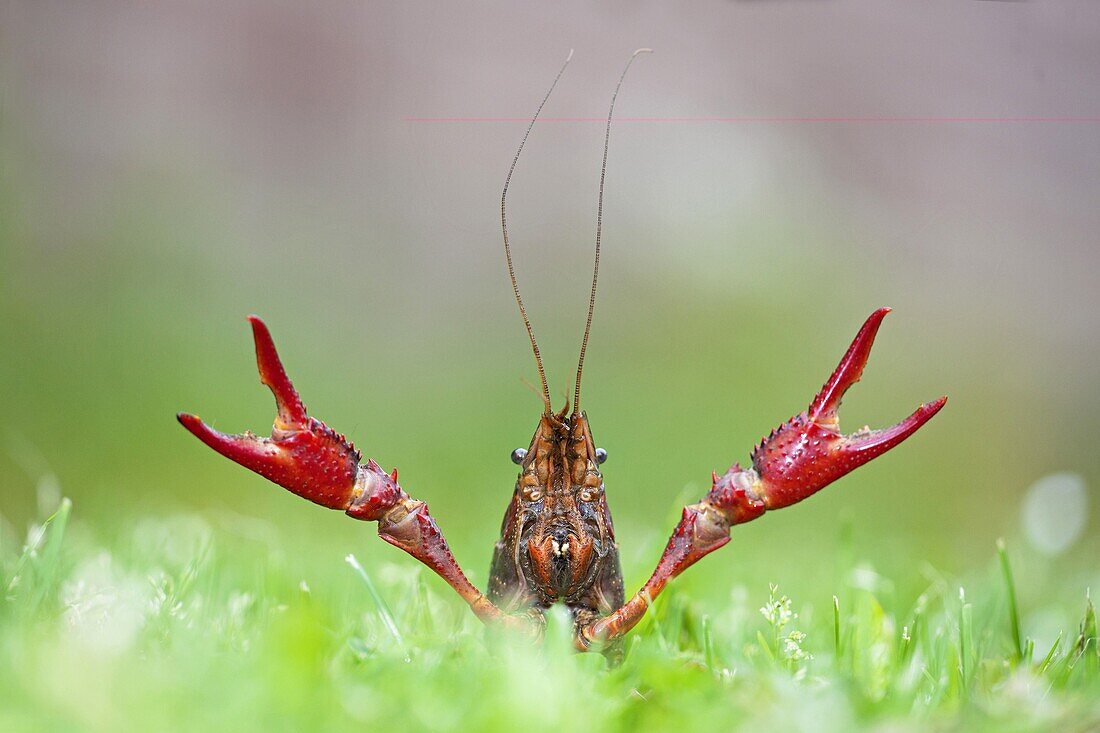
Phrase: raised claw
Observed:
(799, 458)
(303, 454)
(315, 462)
(808, 452)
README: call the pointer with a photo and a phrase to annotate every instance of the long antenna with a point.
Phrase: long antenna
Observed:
(508, 248)
(599, 229)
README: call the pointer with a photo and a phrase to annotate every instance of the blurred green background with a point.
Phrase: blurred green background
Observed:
(780, 170)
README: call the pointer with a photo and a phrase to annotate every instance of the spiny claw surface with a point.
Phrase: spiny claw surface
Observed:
(808, 452)
(317, 463)
(303, 454)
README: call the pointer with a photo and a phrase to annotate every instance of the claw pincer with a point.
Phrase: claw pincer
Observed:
(798, 459)
(303, 454)
(808, 452)
(315, 462)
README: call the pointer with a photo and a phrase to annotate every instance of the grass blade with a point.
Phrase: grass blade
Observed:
(966, 636)
(50, 559)
(379, 602)
(1013, 611)
(424, 609)
(708, 644)
(1051, 654)
(836, 627)
(1086, 637)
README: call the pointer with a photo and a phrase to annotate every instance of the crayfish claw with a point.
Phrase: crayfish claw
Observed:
(317, 463)
(302, 454)
(824, 407)
(247, 449)
(292, 413)
(873, 443)
(808, 452)
(238, 448)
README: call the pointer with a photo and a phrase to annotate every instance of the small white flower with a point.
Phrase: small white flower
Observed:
(792, 647)
(779, 613)
(778, 610)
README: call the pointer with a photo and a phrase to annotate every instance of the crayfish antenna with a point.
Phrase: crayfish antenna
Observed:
(599, 228)
(547, 409)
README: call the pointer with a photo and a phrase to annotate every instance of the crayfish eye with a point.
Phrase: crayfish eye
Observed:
(518, 455)
(601, 455)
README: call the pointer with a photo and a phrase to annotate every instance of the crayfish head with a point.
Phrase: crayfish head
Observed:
(565, 529)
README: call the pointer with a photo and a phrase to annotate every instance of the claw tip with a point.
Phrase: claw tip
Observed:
(191, 423)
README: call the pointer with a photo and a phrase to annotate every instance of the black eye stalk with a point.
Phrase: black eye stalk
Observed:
(601, 455)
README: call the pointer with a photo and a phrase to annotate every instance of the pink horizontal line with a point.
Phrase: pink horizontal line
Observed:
(776, 120)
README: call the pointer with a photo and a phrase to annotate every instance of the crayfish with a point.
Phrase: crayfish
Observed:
(557, 543)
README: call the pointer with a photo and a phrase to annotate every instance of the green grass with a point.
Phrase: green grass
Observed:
(181, 627)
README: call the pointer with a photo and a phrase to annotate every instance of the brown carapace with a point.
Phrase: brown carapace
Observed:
(557, 542)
